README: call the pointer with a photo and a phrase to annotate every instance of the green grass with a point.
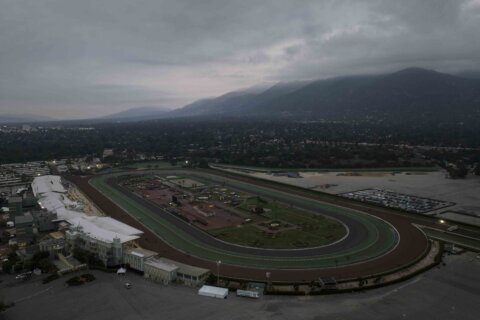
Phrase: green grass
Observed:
(308, 230)
(381, 236)
(380, 169)
(250, 235)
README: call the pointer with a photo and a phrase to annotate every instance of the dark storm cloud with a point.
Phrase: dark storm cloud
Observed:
(73, 58)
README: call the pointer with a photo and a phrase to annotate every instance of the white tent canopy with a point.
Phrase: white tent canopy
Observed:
(214, 292)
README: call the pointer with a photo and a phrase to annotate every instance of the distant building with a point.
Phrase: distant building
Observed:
(24, 227)
(15, 204)
(107, 153)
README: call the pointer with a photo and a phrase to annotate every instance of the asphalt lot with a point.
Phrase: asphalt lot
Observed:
(448, 292)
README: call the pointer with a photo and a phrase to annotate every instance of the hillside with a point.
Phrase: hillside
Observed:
(137, 114)
(410, 95)
(236, 103)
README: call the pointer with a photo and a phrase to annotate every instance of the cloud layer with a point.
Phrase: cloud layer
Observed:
(94, 57)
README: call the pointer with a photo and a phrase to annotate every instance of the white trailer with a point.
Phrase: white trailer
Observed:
(213, 292)
(248, 294)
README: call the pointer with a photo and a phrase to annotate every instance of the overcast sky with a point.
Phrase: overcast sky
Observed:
(87, 58)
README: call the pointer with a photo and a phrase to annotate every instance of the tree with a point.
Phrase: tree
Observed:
(476, 169)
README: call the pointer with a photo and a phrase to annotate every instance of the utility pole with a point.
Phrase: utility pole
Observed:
(219, 262)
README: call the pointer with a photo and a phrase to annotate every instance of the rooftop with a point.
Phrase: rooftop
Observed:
(140, 252)
(56, 235)
(25, 218)
(52, 197)
(48, 183)
(187, 269)
(162, 264)
(101, 228)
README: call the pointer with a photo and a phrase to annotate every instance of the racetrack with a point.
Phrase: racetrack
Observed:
(359, 254)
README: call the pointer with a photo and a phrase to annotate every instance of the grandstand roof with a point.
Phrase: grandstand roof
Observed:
(52, 197)
(104, 229)
(48, 183)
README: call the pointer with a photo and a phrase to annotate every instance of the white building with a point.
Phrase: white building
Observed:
(159, 270)
(106, 237)
(136, 257)
(165, 270)
(103, 236)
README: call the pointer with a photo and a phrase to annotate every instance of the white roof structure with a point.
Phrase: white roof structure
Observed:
(214, 292)
(51, 203)
(45, 184)
(104, 229)
(52, 197)
(141, 253)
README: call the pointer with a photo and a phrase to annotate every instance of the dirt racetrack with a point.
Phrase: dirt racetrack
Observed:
(413, 244)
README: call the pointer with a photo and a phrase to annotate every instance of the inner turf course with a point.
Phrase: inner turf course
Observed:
(368, 238)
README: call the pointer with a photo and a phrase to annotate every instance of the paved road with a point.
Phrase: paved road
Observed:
(448, 292)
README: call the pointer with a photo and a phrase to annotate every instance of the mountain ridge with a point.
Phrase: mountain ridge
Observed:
(138, 113)
(411, 94)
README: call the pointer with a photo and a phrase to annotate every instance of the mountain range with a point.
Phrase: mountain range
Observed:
(408, 95)
(412, 95)
(138, 114)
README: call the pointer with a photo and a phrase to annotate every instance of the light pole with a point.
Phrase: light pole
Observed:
(219, 262)
(268, 274)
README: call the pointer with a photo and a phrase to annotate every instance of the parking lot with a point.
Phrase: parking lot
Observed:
(448, 292)
(397, 200)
